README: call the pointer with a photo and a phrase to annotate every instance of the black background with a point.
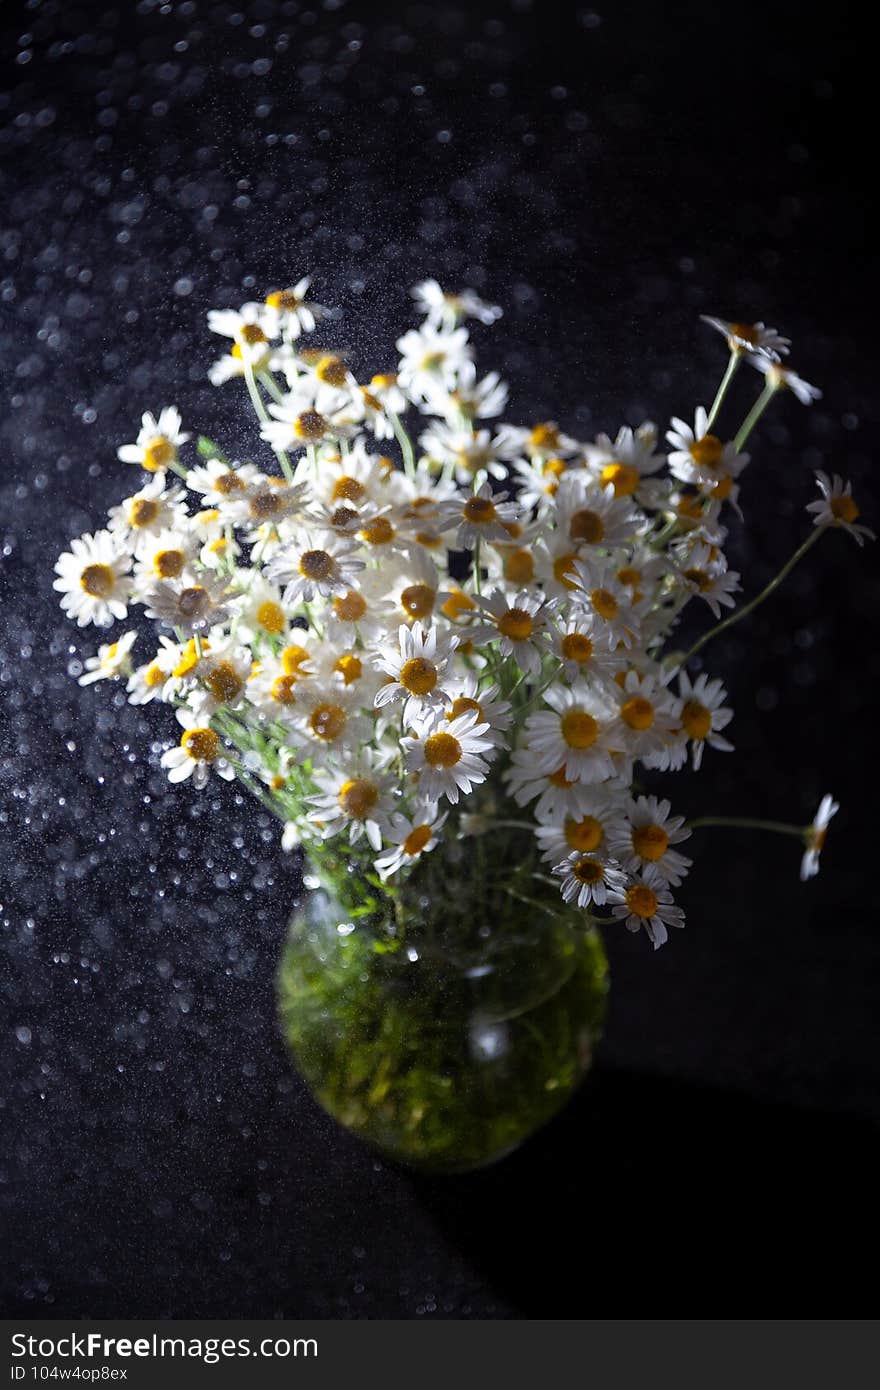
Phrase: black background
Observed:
(606, 177)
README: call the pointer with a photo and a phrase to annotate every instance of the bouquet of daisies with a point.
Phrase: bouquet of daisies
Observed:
(405, 620)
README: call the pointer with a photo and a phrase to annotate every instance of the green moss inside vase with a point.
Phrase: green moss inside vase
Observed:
(446, 1020)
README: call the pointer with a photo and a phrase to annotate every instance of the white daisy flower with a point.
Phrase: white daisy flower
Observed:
(222, 680)
(289, 313)
(198, 753)
(646, 715)
(573, 733)
(589, 513)
(445, 310)
(700, 457)
(273, 687)
(470, 451)
(148, 512)
(625, 462)
(448, 756)
(329, 719)
(113, 660)
(783, 378)
(361, 612)
(410, 837)
(193, 607)
(838, 507)
(559, 836)
(465, 694)
(218, 481)
(538, 480)
(642, 834)
(814, 836)
(587, 879)
(319, 563)
(482, 515)
(410, 584)
(520, 623)
(702, 714)
(600, 595)
(583, 647)
(92, 579)
(297, 425)
(430, 357)
(470, 399)
(356, 479)
(147, 683)
(260, 613)
(266, 501)
(385, 389)
(416, 669)
(544, 440)
(704, 573)
(352, 669)
(646, 902)
(168, 555)
(750, 338)
(354, 799)
(559, 796)
(157, 443)
(243, 325)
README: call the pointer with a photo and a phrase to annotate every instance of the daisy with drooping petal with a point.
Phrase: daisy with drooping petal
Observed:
(704, 573)
(445, 310)
(147, 683)
(410, 837)
(415, 669)
(470, 399)
(814, 836)
(92, 577)
(702, 714)
(318, 563)
(353, 800)
(481, 516)
(783, 378)
(157, 442)
(113, 660)
(448, 756)
(586, 879)
(589, 513)
(573, 733)
(193, 607)
(625, 462)
(838, 507)
(646, 903)
(217, 481)
(199, 752)
(700, 457)
(430, 357)
(465, 694)
(643, 833)
(582, 832)
(153, 509)
(288, 313)
(520, 623)
(468, 451)
(750, 338)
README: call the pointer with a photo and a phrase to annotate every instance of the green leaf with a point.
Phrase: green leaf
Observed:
(209, 450)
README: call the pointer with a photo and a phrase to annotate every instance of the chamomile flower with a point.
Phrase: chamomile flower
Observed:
(700, 457)
(260, 613)
(193, 606)
(590, 514)
(538, 480)
(599, 594)
(147, 683)
(643, 834)
(328, 720)
(814, 836)
(750, 338)
(483, 515)
(272, 689)
(222, 679)
(581, 832)
(470, 399)
(544, 440)
(167, 555)
(445, 310)
(465, 693)
(409, 837)
(415, 668)
(361, 612)
(251, 345)
(587, 878)
(155, 508)
(626, 462)
(448, 757)
(265, 502)
(113, 660)
(838, 507)
(573, 733)
(558, 795)
(702, 714)
(289, 313)
(645, 903)
(783, 378)
(199, 753)
(646, 714)
(385, 389)
(520, 623)
(157, 443)
(299, 425)
(583, 648)
(319, 563)
(353, 800)
(470, 452)
(218, 481)
(431, 357)
(92, 577)
(704, 573)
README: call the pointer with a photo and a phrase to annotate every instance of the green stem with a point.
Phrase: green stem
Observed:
(268, 380)
(748, 823)
(755, 414)
(759, 598)
(262, 413)
(730, 373)
(403, 439)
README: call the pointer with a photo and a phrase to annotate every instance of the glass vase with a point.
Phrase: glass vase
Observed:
(446, 1019)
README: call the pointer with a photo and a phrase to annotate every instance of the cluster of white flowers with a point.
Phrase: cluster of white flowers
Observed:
(406, 630)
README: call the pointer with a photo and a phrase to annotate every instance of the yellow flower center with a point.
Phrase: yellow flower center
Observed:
(252, 333)
(583, 835)
(327, 721)
(332, 370)
(202, 745)
(350, 667)
(746, 331)
(479, 511)
(579, 729)
(416, 840)
(224, 682)
(442, 750)
(545, 436)
(629, 576)
(265, 505)
(696, 719)
(638, 713)
(463, 705)
(189, 659)
(379, 531)
(347, 489)
(315, 564)
(623, 477)
(689, 507)
(650, 842)
(357, 797)
(417, 600)
(283, 299)
(282, 689)
(588, 871)
(723, 488)
(97, 580)
(641, 900)
(158, 453)
(154, 676)
(702, 580)
(193, 602)
(309, 425)
(706, 452)
(516, 624)
(383, 380)
(168, 564)
(843, 508)
(418, 676)
(143, 511)
(293, 658)
(457, 604)
(553, 468)
(350, 607)
(518, 566)
(604, 603)
(563, 570)
(586, 525)
(228, 482)
(270, 616)
(576, 647)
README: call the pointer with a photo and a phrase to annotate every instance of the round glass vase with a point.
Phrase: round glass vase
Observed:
(446, 1019)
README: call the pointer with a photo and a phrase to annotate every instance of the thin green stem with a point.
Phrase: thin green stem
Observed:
(403, 439)
(262, 414)
(758, 599)
(267, 379)
(755, 414)
(748, 823)
(478, 578)
(730, 373)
